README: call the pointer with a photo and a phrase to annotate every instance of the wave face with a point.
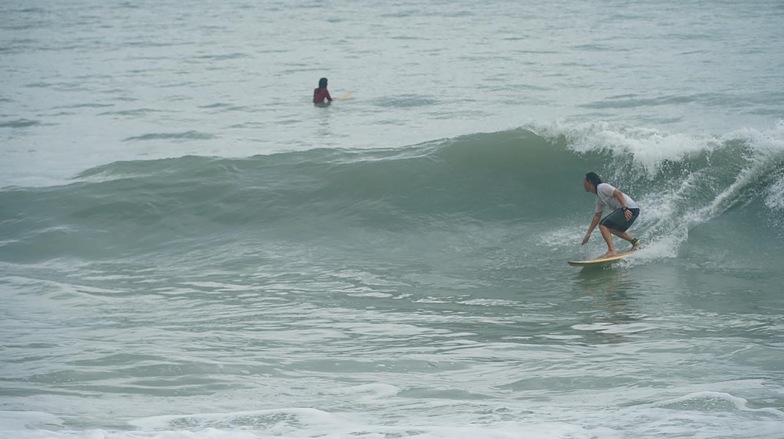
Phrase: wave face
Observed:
(293, 292)
(523, 176)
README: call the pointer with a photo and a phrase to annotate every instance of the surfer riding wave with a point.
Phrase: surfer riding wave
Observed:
(625, 212)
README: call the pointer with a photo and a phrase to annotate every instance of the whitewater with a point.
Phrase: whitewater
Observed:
(190, 249)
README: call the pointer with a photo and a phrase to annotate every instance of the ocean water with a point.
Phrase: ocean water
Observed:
(190, 249)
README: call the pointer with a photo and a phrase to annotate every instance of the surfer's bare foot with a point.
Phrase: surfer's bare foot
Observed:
(635, 245)
(609, 254)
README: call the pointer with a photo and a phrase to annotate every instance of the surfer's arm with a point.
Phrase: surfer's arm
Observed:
(594, 223)
(621, 199)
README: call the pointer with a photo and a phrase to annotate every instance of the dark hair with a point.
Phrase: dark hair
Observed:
(323, 83)
(593, 178)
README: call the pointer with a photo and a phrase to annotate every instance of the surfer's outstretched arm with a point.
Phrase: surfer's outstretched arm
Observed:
(594, 222)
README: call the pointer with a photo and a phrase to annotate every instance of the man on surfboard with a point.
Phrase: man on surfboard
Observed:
(625, 211)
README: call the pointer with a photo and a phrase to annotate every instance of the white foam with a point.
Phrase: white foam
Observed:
(699, 414)
(650, 148)
(19, 421)
(767, 150)
(349, 430)
(370, 391)
(715, 401)
(273, 420)
(665, 247)
(775, 196)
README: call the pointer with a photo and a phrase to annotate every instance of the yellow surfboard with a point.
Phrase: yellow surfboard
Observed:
(601, 261)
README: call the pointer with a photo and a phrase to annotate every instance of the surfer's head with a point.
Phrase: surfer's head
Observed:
(323, 83)
(592, 180)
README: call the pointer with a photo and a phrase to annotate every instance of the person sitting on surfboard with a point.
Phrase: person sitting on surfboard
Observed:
(321, 93)
(625, 211)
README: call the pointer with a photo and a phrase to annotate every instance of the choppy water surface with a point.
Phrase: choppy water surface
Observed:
(189, 249)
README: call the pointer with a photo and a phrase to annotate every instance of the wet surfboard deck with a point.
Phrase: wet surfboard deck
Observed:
(601, 261)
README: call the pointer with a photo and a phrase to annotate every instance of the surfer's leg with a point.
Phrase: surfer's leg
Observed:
(625, 236)
(607, 235)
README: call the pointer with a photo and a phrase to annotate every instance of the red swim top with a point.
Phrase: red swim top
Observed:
(319, 94)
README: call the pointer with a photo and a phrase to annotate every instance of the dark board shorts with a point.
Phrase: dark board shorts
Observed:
(616, 220)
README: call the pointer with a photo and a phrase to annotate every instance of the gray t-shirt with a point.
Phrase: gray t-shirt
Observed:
(605, 198)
